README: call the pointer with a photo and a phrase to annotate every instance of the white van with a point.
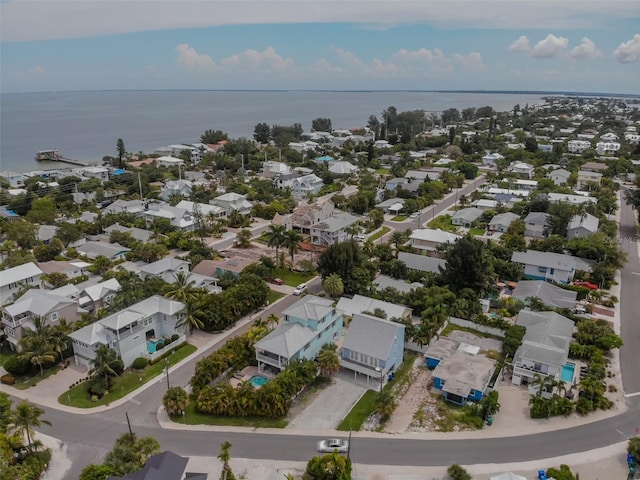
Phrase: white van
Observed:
(300, 289)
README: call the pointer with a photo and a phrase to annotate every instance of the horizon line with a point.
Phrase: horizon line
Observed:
(478, 91)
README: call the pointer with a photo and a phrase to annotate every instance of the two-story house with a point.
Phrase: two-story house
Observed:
(13, 279)
(333, 229)
(372, 346)
(72, 269)
(231, 202)
(586, 177)
(308, 324)
(97, 296)
(207, 211)
(545, 348)
(308, 214)
(179, 218)
(126, 206)
(549, 266)
(536, 225)
(522, 169)
(47, 306)
(582, 226)
(559, 176)
(133, 332)
(306, 185)
(176, 187)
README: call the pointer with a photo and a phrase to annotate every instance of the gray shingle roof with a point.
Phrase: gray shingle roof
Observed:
(38, 302)
(547, 337)
(586, 221)
(422, 262)
(506, 219)
(360, 304)
(551, 295)
(469, 214)
(537, 218)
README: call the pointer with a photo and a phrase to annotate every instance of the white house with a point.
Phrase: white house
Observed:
(206, 210)
(16, 180)
(231, 202)
(167, 161)
(559, 176)
(501, 221)
(586, 177)
(582, 226)
(523, 169)
(492, 159)
(12, 279)
(549, 266)
(427, 239)
(306, 185)
(572, 199)
(133, 332)
(180, 218)
(332, 229)
(604, 148)
(101, 173)
(176, 187)
(466, 216)
(577, 146)
(360, 304)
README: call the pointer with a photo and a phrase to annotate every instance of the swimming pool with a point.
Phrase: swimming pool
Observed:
(567, 373)
(152, 345)
(258, 380)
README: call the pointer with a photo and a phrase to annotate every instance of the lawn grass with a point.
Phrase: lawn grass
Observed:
(5, 354)
(124, 384)
(359, 412)
(382, 171)
(477, 231)
(22, 383)
(451, 416)
(274, 296)
(292, 279)
(192, 417)
(399, 218)
(443, 222)
(379, 234)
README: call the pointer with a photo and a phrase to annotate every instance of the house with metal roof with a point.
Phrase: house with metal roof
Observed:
(231, 202)
(170, 265)
(112, 251)
(429, 240)
(14, 278)
(549, 294)
(582, 226)
(332, 229)
(133, 332)
(361, 304)
(308, 325)
(545, 347)
(466, 216)
(572, 199)
(99, 295)
(372, 346)
(306, 185)
(50, 308)
(423, 263)
(549, 266)
(500, 222)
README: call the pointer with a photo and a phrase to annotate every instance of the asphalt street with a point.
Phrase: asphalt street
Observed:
(88, 437)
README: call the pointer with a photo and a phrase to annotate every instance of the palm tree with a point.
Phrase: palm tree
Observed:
(182, 289)
(398, 238)
(292, 241)
(328, 360)
(192, 317)
(276, 237)
(60, 337)
(24, 418)
(385, 403)
(224, 456)
(333, 285)
(272, 321)
(106, 363)
(243, 238)
(175, 400)
(38, 351)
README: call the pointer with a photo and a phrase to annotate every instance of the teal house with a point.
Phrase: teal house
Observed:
(308, 324)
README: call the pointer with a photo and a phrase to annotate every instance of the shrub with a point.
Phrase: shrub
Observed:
(140, 363)
(159, 346)
(584, 406)
(15, 366)
(174, 337)
(8, 379)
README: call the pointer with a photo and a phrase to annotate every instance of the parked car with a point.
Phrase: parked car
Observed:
(300, 289)
(277, 281)
(360, 238)
(589, 285)
(332, 444)
(414, 215)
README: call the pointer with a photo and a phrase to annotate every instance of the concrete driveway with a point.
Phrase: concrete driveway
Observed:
(329, 406)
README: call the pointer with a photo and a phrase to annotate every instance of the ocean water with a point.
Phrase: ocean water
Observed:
(85, 126)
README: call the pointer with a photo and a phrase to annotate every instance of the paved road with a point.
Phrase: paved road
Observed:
(90, 436)
(630, 306)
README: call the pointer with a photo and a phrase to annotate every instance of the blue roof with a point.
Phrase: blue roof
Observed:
(10, 213)
(324, 158)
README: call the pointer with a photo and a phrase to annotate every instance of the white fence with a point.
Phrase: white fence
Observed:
(475, 326)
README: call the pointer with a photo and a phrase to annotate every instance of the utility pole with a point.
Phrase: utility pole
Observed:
(166, 366)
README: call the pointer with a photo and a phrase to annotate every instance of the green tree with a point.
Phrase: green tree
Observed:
(321, 125)
(121, 152)
(21, 232)
(182, 290)
(276, 236)
(213, 136)
(262, 133)
(225, 456)
(633, 447)
(456, 472)
(69, 233)
(467, 266)
(23, 420)
(175, 400)
(43, 210)
(347, 260)
(60, 337)
(243, 238)
(130, 454)
(106, 363)
(292, 242)
(332, 466)
(328, 360)
(385, 403)
(96, 472)
(37, 349)
(563, 473)
(333, 285)
(490, 404)
(560, 215)
(192, 317)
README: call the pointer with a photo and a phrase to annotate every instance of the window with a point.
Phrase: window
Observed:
(9, 331)
(54, 316)
(542, 269)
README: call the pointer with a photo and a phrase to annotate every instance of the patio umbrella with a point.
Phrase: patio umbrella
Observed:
(508, 476)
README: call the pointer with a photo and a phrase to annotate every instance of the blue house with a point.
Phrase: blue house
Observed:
(309, 324)
(438, 350)
(463, 376)
(372, 346)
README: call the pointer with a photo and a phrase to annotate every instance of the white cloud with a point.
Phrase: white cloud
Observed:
(628, 52)
(472, 62)
(267, 61)
(38, 70)
(550, 47)
(192, 60)
(521, 45)
(587, 50)
(22, 21)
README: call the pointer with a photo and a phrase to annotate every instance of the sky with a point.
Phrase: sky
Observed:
(515, 45)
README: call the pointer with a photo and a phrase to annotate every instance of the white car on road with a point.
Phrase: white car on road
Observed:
(332, 444)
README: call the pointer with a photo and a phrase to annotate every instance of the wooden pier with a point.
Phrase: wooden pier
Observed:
(54, 156)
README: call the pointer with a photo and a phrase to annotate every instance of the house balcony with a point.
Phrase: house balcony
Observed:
(363, 368)
(128, 331)
(272, 360)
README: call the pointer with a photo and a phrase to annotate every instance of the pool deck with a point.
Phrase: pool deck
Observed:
(245, 374)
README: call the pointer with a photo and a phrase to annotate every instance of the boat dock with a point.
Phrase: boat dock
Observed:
(54, 156)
